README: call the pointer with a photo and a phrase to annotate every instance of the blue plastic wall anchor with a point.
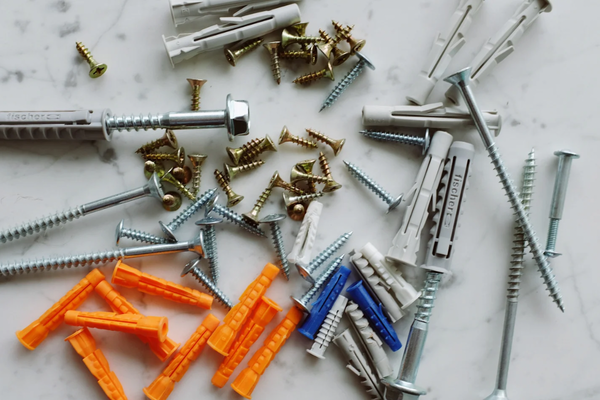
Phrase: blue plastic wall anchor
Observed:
(324, 303)
(374, 313)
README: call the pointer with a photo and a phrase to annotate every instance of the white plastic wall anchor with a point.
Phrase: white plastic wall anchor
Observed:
(445, 46)
(379, 287)
(186, 11)
(327, 330)
(232, 29)
(502, 44)
(407, 240)
(404, 293)
(451, 196)
(301, 253)
(433, 115)
(357, 363)
(370, 340)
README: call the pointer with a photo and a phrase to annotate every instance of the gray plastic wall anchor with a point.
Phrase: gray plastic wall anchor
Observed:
(327, 330)
(305, 240)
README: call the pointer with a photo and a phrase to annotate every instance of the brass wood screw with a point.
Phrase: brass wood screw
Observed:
(277, 181)
(233, 55)
(177, 157)
(336, 145)
(232, 197)
(328, 43)
(286, 136)
(332, 185)
(298, 175)
(305, 198)
(232, 172)
(197, 160)
(273, 49)
(287, 38)
(96, 69)
(326, 72)
(168, 139)
(169, 178)
(355, 44)
(307, 166)
(251, 150)
(252, 215)
(310, 55)
(196, 85)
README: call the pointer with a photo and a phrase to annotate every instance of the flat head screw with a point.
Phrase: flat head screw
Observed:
(306, 272)
(412, 140)
(332, 185)
(196, 85)
(336, 145)
(178, 156)
(237, 219)
(347, 80)
(286, 136)
(169, 178)
(122, 232)
(171, 201)
(310, 55)
(273, 49)
(373, 186)
(277, 237)
(307, 166)
(252, 216)
(168, 139)
(340, 56)
(170, 228)
(249, 151)
(461, 81)
(277, 181)
(288, 38)
(197, 160)
(232, 172)
(151, 167)
(298, 175)
(210, 241)
(303, 302)
(565, 158)
(96, 69)
(304, 198)
(232, 197)
(355, 44)
(233, 56)
(193, 267)
(326, 72)
(327, 45)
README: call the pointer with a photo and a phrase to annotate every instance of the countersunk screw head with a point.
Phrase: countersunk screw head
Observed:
(196, 83)
(460, 78)
(98, 70)
(154, 186)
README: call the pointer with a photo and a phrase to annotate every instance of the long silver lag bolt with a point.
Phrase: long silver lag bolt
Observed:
(195, 245)
(461, 81)
(100, 124)
(152, 189)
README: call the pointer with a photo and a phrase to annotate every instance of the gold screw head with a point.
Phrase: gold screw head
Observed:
(287, 38)
(296, 211)
(340, 56)
(98, 70)
(151, 167)
(306, 165)
(314, 53)
(297, 175)
(196, 83)
(235, 154)
(230, 172)
(182, 174)
(197, 159)
(169, 178)
(272, 47)
(171, 201)
(329, 72)
(234, 199)
(230, 56)
(285, 135)
(299, 28)
(170, 139)
(269, 144)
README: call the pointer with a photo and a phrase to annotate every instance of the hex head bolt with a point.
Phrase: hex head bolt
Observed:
(96, 69)
(347, 80)
(370, 184)
(170, 228)
(152, 189)
(195, 245)
(278, 241)
(210, 241)
(461, 81)
(306, 272)
(412, 140)
(303, 302)
(193, 267)
(565, 158)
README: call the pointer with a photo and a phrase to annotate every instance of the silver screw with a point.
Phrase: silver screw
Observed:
(347, 80)
(412, 140)
(306, 272)
(304, 301)
(404, 386)
(195, 245)
(363, 178)
(278, 241)
(565, 158)
(186, 214)
(140, 236)
(514, 283)
(237, 219)
(192, 267)
(152, 188)
(210, 241)
(235, 117)
(461, 81)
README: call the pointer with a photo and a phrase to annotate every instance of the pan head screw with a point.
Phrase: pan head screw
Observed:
(171, 201)
(232, 198)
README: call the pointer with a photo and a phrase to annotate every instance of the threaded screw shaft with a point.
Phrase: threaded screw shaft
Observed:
(139, 236)
(399, 138)
(96, 69)
(273, 49)
(343, 84)
(370, 184)
(237, 219)
(205, 281)
(277, 238)
(168, 139)
(428, 295)
(306, 54)
(232, 197)
(168, 177)
(327, 253)
(41, 224)
(196, 85)
(191, 210)
(252, 216)
(210, 241)
(232, 172)
(314, 76)
(321, 280)
(197, 160)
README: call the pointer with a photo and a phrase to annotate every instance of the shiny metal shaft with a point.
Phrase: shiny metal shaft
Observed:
(193, 268)
(237, 219)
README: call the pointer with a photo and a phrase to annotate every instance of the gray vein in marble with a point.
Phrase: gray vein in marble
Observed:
(69, 28)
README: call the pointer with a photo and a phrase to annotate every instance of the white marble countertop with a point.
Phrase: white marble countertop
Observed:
(545, 91)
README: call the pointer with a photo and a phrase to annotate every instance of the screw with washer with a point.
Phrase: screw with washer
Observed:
(565, 158)
(306, 272)
(234, 55)
(168, 139)
(122, 232)
(196, 85)
(96, 69)
(273, 49)
(363, 178)
(461, 81)
(152, 189)
(303, 302)
(412, 140)
(278, 241)
(347, 80)
(194, 268)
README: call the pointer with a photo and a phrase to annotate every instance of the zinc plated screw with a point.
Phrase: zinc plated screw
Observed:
(237, 219)
(565, 158)
(363, 178)
(273, 49)
(347, 80)
(277, 181)
(96, 69)
(303, 302)
(169, 178)
(196, 85)
(461, 81)
(232, 172)
(286, 136)
(194, 268)
(171, 201)
(122, 232)
(151, 188)
(336, 145)
(251, 150)
(309, 55)
(168, 139)
(197, 160)
(170, 228)
(233, 55)
(232, 197)
(412, 140)
(210, 241)
(326, 72)
(287, 38)
(177, 156)
(514, 283)
(332, 185)
(306, 272)
(195, 245)
(278, 241)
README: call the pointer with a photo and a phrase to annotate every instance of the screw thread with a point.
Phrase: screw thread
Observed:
(141, 236)
(309, 144)
(248, 46)
(133, 122)
(321, 280)
(552, 234)
(395, 137)
(85, 53)
(45, 264)
(290, 188)
(41, 224)
(324, 164)
(195, 106)
(319, 136)
(162, 157)
(428, 295)
(310, 77)
(211, 287)
(328, 252)
(210, 241)
(196, 178)
(523, 221)
(306, 197)
(306, 39)
(249, 166)
(295, 54)
(369, 183)
(275, 67)
(254, 151)
(223, 183)
(326, 38)
(236, 219)
(280, 248)
(260, 202)
(180, 186)
(153, 145)
(317, 178)
(343, 84)
(191, 210)
(519, 244)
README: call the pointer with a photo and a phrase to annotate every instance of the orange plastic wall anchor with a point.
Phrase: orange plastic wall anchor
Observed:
(162, 386)
(124, 275)
(137, 324)
(252, 329)
(120, 305)
(224, 336)
(246, 381)
(84, 344)
(38, 330)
